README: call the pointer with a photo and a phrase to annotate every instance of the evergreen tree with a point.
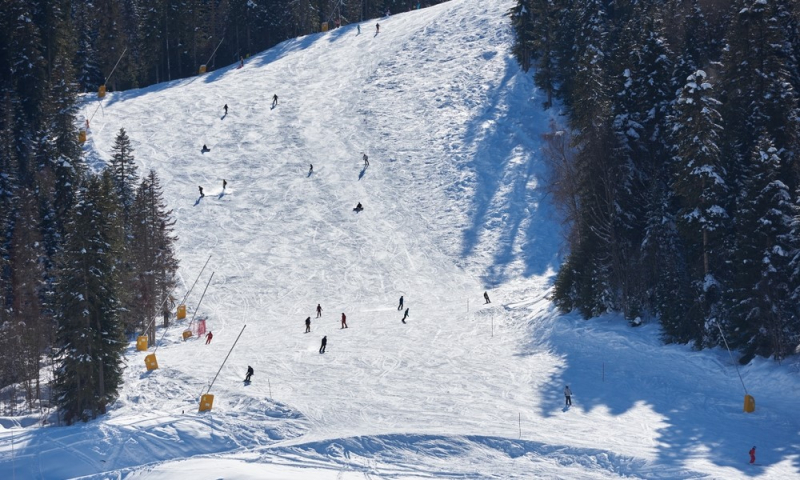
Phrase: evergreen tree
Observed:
(89, 335)
(123, 166)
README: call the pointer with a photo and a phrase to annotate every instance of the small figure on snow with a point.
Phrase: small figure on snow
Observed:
(405, 315)
(310, 168)
(225, 108)
(358, 207)
(319, 310)
(366, 160)
(274, 100)
(567, 396)
(205, 149)
(344, 320)
(358, 27)
(224, 184)
(486, 297)
(323, 344)
(209, 336)
(400, 306)
(308, 324)
(241, 61)
(377, 28)
(201, 191)
(249, 374)
(753, 454)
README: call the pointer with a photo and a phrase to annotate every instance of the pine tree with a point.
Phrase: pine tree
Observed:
(123, 166)
(89, 335)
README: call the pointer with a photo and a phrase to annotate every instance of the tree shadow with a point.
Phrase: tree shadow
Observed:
(616, 371)
(508, 171)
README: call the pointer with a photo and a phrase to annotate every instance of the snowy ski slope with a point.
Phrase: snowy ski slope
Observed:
(453, 207)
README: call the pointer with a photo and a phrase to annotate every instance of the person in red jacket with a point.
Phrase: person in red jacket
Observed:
(753, 454)
(344, 321)
(209, 336)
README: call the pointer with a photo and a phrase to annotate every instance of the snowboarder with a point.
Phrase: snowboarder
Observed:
(753, 454)
(209, 336)
(319, 310)
(226, 108)
(344, 320)
(567, 396)
(358, 207)
(308, 324)
(366, 160)
(205, 149)
(201, 191)
(405, 315)
(486, 297)
(224, 184)
(323, 345)
(377, 28)
(249, 374)
(400, 306)
(274, 100)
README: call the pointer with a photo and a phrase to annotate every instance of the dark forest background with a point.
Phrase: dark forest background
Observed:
(676, 168)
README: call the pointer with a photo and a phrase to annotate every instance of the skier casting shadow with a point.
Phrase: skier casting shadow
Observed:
(310, 169)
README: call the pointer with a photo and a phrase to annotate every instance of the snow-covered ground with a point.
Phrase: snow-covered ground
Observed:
(452, 207)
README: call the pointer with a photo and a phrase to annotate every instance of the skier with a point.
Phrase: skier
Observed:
(377, 28)
(486, 297)
(753, 454)
(224, 184)
(405, 315)
(323, 345)
(241, 61)
(201, 191)
(319, 310)
(567, 396)
(308, 324)
(400, 306)
(366, 160)
(205, 149)
(359, 29)
(274, 100)
(226, 108)
(209, 336)
(358, 207)
(310, 168)
(344, 321)
(249, 374)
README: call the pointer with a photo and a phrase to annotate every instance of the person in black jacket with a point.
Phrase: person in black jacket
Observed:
(323, 345)
(249, 373)
(308, 324)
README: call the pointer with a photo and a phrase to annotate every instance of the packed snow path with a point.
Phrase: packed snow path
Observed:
(452, 207)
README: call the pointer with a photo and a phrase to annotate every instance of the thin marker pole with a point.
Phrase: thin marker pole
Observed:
(226, 359)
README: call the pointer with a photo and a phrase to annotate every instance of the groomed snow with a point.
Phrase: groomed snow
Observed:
(453, 207)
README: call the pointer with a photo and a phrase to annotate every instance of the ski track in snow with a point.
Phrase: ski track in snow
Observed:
(452, 208)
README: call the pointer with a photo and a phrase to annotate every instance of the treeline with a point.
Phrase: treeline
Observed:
(85, 255)
(677, 170)
(169, 39)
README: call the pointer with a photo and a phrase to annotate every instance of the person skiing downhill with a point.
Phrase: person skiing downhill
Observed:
(310, 168)
(226, 108)
(319, 310)
(274, 100)
(344, 320)
(224, 184)
(486, 297)
(405, 315)
(567, 396)
(753, 454)
(249, 374)
(201, 191)
(400, 306)
(308, 324)
(377, 28)
(209, 336)
(323, 344)
(366, 160)
(359, 29)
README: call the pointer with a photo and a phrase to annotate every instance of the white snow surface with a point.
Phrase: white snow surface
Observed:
(453, 206)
